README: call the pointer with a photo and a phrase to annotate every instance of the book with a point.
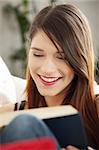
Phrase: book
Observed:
(64, 121)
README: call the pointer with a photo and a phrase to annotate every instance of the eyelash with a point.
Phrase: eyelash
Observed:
(37, 55)
(60, 58)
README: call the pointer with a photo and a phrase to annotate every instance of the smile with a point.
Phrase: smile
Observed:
(49, 80)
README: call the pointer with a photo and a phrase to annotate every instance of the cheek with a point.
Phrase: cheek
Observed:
(33, 66)
(69, 74)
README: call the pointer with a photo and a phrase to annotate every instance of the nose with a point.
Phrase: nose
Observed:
(48, 67)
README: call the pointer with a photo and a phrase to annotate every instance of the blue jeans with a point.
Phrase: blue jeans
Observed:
(25, 127)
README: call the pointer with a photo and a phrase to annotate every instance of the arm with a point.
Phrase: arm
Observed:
(7, 108)
(5, 103)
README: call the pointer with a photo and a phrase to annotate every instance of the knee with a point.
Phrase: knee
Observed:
(23, 118)
(30, 125)
(23, 121)
(22, 126)
(25, 127)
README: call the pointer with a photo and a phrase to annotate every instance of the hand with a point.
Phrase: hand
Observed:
(74, 148)
(90, 148)
(70, 148)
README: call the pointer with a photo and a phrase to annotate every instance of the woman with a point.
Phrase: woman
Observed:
(61, 65)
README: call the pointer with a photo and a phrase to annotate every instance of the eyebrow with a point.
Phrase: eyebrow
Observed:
(38, 49)
(41, 50)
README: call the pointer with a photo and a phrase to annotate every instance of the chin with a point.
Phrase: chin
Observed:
(47, 93)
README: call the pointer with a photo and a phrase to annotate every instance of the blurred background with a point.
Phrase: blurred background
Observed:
(15, 20)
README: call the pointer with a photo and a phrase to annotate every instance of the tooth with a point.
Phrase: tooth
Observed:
(49, 79)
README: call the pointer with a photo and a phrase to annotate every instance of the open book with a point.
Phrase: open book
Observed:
(64, 122)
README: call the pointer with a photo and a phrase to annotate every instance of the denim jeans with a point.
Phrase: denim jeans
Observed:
(25, 127)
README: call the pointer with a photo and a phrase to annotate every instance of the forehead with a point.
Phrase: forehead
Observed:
(42, 41)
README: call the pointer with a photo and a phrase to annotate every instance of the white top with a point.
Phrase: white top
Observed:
(7, 86)
(11, 87)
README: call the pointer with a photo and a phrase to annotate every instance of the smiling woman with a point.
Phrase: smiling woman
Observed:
(60, 67)
(61, 64)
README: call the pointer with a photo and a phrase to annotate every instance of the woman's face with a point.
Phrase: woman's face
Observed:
(49, 71)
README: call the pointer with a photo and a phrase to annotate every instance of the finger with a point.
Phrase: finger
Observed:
(71, 148)
(90, 148)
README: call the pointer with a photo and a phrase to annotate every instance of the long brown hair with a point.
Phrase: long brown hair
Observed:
(69, 28)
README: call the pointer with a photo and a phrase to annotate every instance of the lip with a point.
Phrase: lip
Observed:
(49, 81)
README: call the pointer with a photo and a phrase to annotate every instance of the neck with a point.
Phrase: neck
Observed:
(54, 100)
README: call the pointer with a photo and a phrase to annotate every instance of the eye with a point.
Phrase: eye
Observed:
(38, 55)
(59, 56)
